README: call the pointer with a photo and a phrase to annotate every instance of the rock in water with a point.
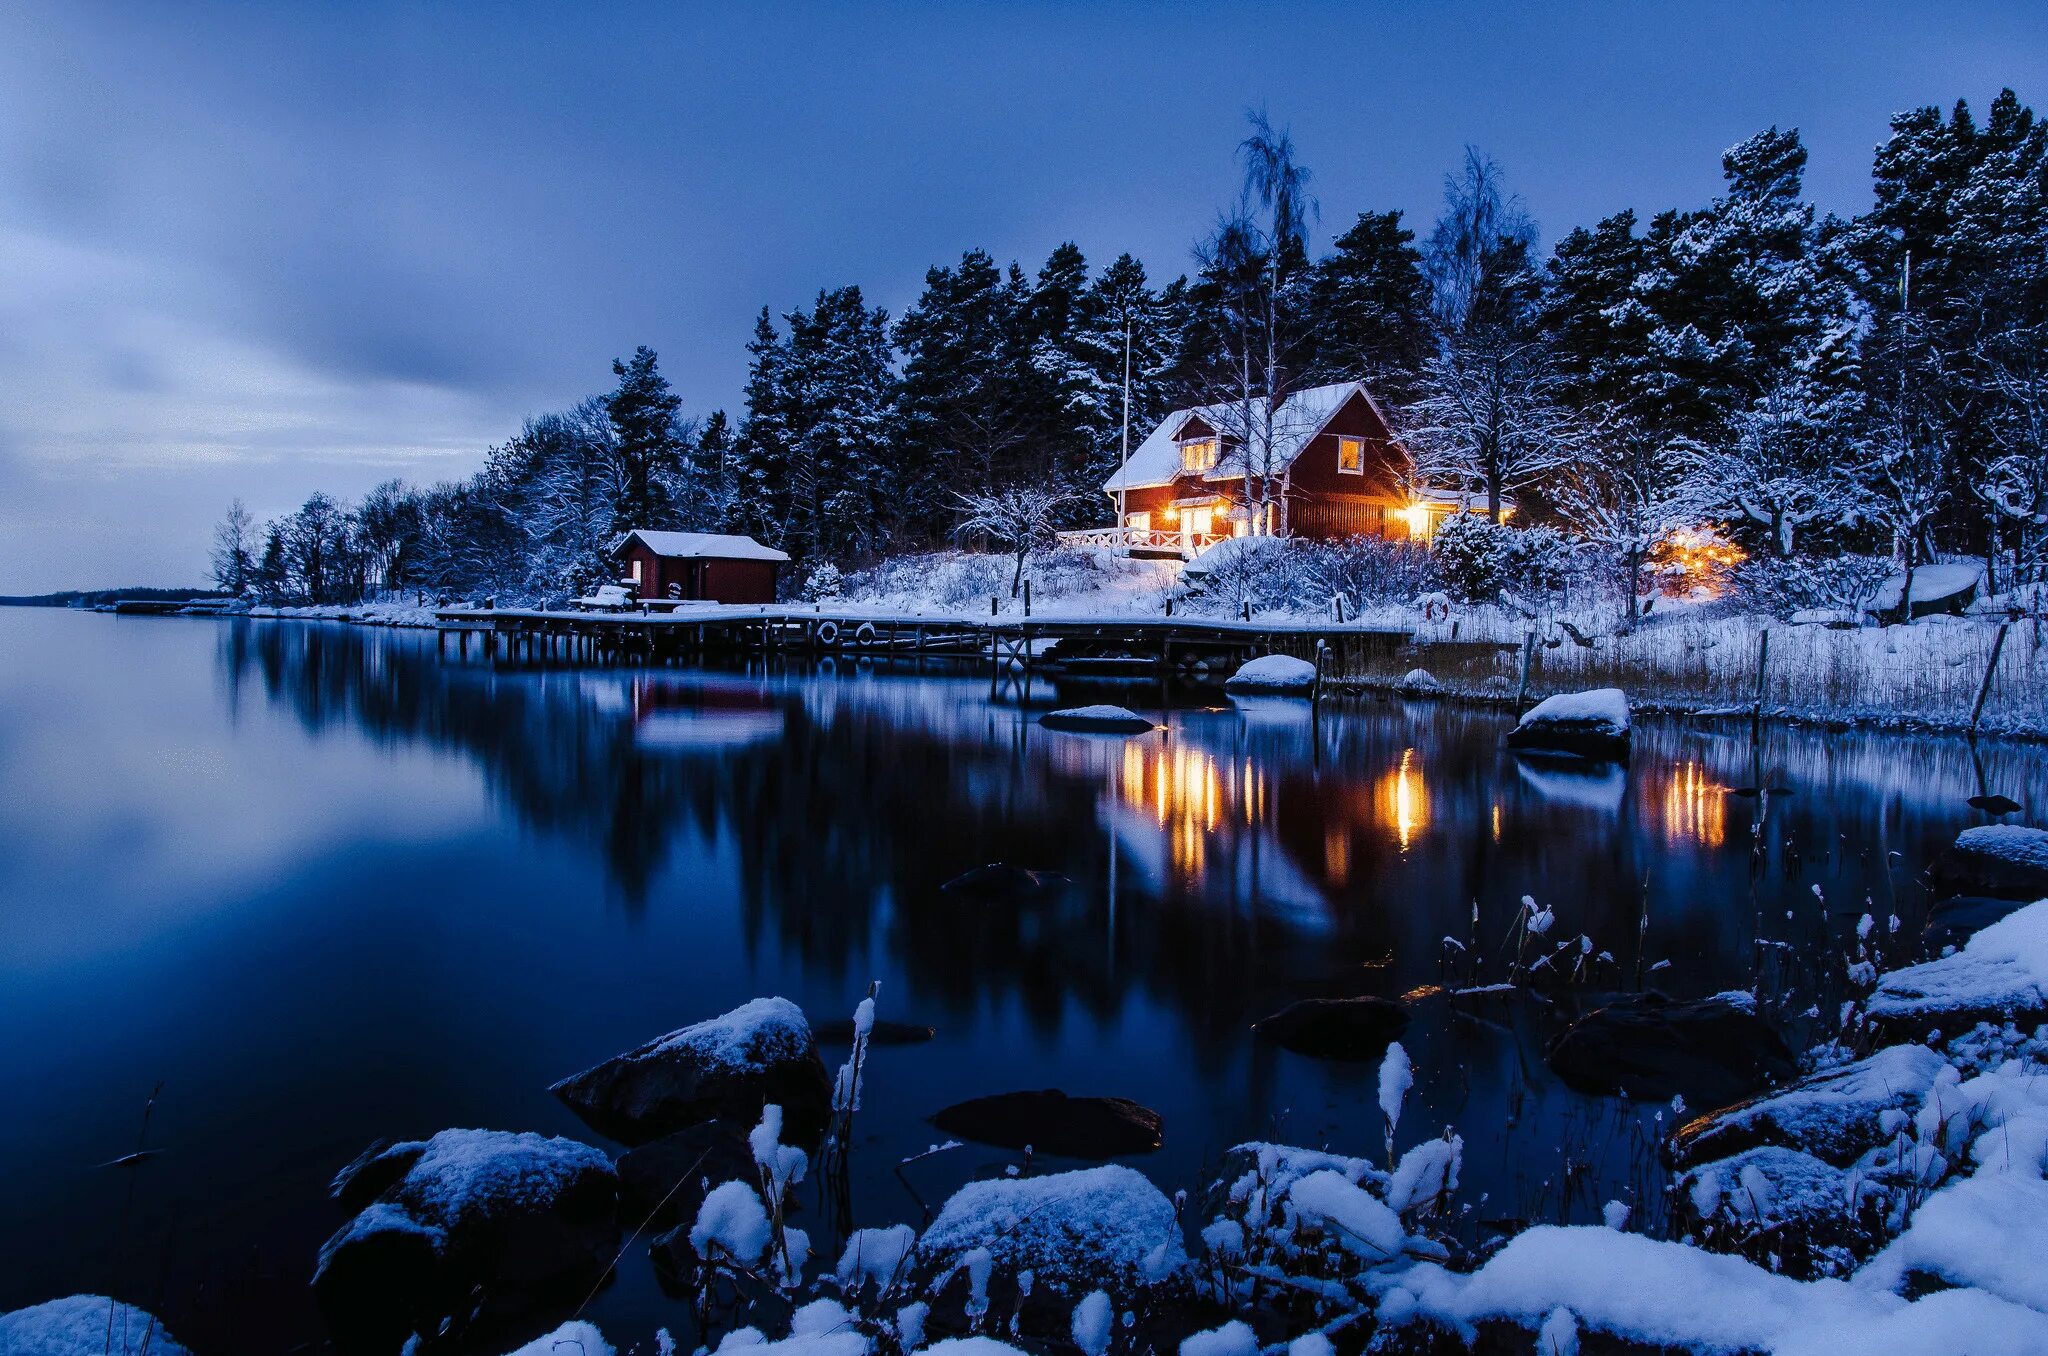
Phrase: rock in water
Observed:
(1832, 1115)
(1576, 724)
(1952, 922)
(1001, 883)
(2001, 974)
(1274, 673)
(2004, 861)
(727, 1068)
(79, 1325)
(1710, 1052)
(1105, 1228)
(1995, 804)
(1097, 720)
(479, 1225)
(1053, 1123)
(665, 1181)
(1336, 1028)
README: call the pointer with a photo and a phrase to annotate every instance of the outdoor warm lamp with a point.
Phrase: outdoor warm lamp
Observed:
(1417, 516)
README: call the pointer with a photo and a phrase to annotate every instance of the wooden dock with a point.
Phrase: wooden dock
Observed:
(1049, 644)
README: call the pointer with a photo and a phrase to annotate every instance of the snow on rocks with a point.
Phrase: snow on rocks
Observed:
(1335, 1028)
(1098, 719)
(1420, 680)
(1102, 1228)
(728, 1067)
(1273, 673)
(2004, 861)
(1052, 1122)
(1591, 724)
(468, 1223)
(1710, 1052)
(1947, 587)
(1832, 1115)
(574, 1338)
(2001, 973)
(81, 1325)
(1812, 1217)
(1671, 1295)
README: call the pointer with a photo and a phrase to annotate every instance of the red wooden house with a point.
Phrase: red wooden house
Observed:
(1334, 469)
(697, 567)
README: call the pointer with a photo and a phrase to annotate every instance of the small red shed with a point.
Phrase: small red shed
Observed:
(712, 567)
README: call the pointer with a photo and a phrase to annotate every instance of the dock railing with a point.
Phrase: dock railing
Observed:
(1127, 539)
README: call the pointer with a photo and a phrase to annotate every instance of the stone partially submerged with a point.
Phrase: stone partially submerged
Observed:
(1052, 1122)
(1274, 674)
(2001, 974)
(1335, 1028)
(728, 1067)
(2004, 861)
(1709, 1052)
(1592, 725)
(1102, 1228)
(1835, 1116)
(1098, 719)
(84, 1325)
(466, 1227)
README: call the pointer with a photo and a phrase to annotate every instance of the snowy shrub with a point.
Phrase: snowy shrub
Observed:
(1780, 587)
(1477, 558)
(1363, 570)
(823, 582)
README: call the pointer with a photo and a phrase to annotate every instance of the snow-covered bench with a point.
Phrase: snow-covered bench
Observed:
(606, 598)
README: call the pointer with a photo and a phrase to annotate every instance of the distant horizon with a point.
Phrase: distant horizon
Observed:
(262, 254)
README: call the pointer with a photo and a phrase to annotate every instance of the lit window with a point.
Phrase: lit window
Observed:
(636, 571)
(1199, 454)
(1351, 456)
(1138, 522)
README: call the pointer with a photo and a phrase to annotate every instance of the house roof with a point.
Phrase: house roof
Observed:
(1301, 416)
(700, 545)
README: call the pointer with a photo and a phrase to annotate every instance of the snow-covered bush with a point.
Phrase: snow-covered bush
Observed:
(1781, 587)
(823, 582)
(1477, 558)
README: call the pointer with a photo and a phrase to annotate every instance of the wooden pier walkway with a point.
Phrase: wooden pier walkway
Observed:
(1049, 643)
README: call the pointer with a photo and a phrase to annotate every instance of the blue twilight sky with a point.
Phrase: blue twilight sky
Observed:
(267, 248)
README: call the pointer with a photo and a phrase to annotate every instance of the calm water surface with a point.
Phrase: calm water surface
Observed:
(322, 886)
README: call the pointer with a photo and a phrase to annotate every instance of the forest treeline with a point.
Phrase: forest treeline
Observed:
(1809, 383)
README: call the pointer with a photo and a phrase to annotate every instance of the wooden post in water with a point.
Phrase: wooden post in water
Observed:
(1528, 659)
(1990, 672)
(1763, 656)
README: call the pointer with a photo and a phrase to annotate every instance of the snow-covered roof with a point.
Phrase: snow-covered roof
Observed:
(1156, 461)
(715, 545)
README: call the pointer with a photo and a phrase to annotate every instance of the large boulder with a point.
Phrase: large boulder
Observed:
(1832, 1115)
(2004, 861)
(84, 1325)
(1709, 1052)
(726, 1068)
(1335, 1028)
(2000, 975)
(1105, 1228)
(1576, 725)
(470, 1226)
(1276, 674)
(1053, 1123)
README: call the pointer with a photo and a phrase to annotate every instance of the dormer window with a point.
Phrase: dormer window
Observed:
(1198, 455)
(1351, 456)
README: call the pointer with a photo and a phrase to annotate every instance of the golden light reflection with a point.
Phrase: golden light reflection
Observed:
(1401, 800)
(1695, 806)
(1187, 792)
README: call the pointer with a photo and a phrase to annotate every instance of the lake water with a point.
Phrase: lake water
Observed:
(323, 885)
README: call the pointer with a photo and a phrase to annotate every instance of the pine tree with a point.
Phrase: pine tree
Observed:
(1370, 303)
(650, 445)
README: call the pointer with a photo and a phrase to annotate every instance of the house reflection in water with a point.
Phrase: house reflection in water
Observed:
(1187, 791)
(1694, 805)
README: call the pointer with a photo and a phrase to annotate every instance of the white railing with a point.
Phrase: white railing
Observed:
(1142, 539)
